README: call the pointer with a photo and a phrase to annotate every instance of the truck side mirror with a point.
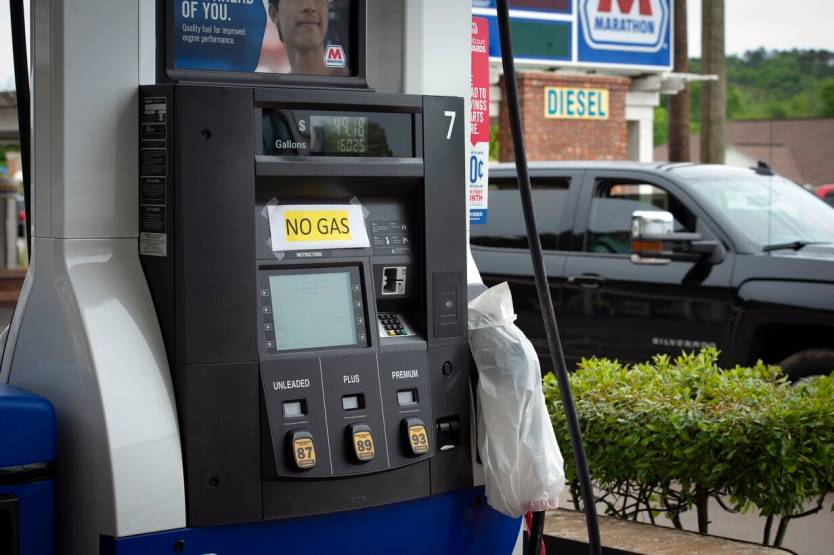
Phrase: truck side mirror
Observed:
(654, 241)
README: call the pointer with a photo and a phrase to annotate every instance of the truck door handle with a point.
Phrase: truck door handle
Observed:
(590, 281)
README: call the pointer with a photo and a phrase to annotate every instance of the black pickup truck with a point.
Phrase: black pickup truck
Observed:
(746, 265)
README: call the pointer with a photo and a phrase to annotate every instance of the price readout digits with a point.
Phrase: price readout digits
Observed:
(340, 134)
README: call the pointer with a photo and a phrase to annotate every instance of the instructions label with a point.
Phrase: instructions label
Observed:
(313, 227)
(153, 176)
(153, 244)
(390, 237)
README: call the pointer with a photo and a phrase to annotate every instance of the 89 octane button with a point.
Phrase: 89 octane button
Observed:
(362, 441)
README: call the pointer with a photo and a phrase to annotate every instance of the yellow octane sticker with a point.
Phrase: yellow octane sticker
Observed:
(304, 452)
(419, 439)
(316, 225)
(363, 444)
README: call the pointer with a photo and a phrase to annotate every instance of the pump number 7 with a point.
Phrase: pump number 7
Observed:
(452, 115)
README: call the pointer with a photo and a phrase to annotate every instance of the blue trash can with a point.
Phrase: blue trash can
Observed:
(27, 454)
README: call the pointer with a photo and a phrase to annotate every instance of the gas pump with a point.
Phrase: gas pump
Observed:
(311, 295)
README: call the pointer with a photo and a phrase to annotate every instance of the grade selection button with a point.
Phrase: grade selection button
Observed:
(303, 449)
(362, 440)
(417, 438)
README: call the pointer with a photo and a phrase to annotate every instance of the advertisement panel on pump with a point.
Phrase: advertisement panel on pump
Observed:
(275, 38)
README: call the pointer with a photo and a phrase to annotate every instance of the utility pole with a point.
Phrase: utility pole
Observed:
(679, 103)
(713, 93)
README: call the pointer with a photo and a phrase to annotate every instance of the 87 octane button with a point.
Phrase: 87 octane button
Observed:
(303, 449)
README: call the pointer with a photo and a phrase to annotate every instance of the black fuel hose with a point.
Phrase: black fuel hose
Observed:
(536, 533)
(21, 81)
(545, 301)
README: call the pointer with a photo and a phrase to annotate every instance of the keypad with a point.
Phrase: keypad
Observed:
(392, 324)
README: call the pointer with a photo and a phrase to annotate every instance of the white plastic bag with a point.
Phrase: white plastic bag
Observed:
(523, 467)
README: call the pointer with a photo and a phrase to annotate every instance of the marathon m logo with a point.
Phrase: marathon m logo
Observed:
(334, 56)
(626, 6)
(630, 25)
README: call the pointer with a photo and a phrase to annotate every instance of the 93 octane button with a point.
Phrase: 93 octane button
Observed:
(418, 437)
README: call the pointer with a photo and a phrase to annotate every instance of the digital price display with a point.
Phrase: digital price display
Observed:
(338, 135)
(347, 134)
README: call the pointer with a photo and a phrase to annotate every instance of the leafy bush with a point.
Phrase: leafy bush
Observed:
(665, 436)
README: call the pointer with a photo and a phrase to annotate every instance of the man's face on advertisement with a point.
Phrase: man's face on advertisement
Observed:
(302, 24)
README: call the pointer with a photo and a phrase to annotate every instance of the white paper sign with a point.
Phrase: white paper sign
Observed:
(478, 178)
(303, 227)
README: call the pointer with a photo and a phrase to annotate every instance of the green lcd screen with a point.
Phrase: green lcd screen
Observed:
(312, 310)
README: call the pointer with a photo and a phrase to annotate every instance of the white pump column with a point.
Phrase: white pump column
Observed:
(437, 61)
(85, 334)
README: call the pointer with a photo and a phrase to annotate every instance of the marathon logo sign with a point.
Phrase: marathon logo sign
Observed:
(334, 56)
(625, 25)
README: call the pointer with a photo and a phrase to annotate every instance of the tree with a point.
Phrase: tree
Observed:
(679, 103)
(827, 94)
(713, 93)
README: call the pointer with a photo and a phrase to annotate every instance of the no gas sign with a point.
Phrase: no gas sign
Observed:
(317, 227)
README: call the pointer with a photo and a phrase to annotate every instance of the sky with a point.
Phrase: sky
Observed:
(750, 24)
(773, 24)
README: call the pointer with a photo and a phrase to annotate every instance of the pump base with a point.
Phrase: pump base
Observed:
(457, 522)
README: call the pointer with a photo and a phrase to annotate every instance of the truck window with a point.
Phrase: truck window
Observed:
(505, 221)
(609, 225)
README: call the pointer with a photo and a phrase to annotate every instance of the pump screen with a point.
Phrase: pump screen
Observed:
(339, 134)
(312, 310)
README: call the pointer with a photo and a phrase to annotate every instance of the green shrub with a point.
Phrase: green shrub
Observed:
(667, 435)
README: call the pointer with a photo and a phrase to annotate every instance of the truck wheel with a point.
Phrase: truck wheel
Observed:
(811, 362)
